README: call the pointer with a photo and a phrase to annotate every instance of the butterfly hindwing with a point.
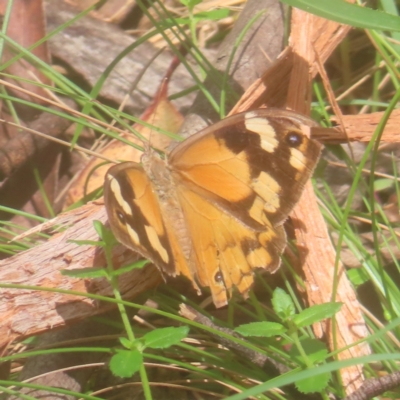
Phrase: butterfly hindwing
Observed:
(227, 251)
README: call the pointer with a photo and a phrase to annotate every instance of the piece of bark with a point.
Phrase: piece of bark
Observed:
(25, 27)
(88, 46)
(25, 312)
(374, 387)
(388, 251)
(318, 266)
(340, 178)
(359, 127)
(318, 259)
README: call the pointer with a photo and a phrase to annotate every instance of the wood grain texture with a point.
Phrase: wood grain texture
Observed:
(309, 33)
(26, 312)
(88, 46)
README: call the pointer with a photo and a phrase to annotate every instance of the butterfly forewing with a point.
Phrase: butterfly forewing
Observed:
(259, 157)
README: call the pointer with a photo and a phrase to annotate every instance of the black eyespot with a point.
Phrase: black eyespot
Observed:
(218, 278)
(294, 139)
(121, 217)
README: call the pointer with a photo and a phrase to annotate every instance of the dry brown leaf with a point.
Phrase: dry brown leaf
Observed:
(161, 113)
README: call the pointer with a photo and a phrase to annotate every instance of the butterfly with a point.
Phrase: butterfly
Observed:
(213, 209)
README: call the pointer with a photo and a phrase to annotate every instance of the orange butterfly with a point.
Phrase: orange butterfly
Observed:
(213, 210)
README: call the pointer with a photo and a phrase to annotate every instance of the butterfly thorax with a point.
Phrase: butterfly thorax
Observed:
(165, 189)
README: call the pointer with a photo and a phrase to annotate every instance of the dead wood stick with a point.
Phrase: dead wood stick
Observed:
(88, 46)
(25, 312)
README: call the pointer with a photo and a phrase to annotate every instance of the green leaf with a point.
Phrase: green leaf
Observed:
(357, 276)
(190, 3)
(350, 14)
(283, 304)
(315, 349)
(165, 337)
(85, 273)
(179, 21)
(212, 15)
(125, 363)
(136, 265)
(314, 383)
(99, 227)
(125, 342)
(316, 313)
(261, 329)
(105, 234)
(383, 184)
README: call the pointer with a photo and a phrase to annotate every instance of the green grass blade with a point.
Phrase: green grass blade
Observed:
(347, 13)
